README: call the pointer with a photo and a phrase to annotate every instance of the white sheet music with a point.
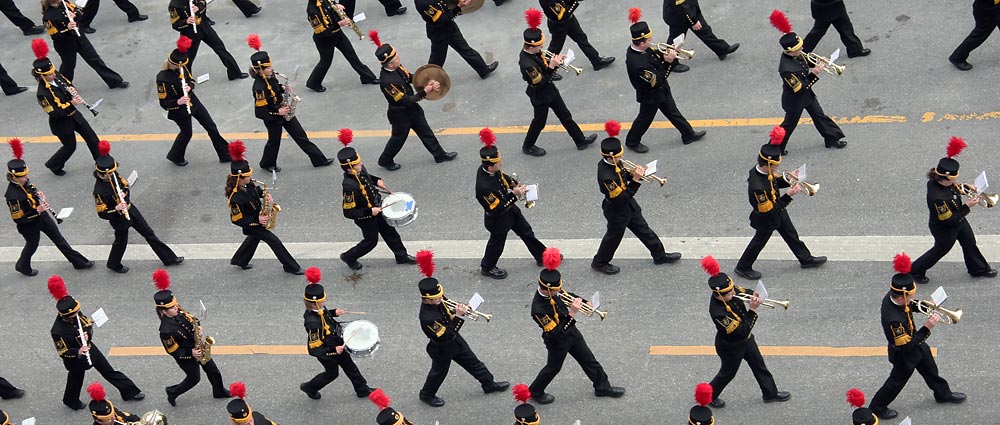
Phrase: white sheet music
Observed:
(906, 421)
(761, 290)
(29, 421)
(803, 173)
(201, 78)
(80, 3)
(596, 300)
(531, 192)
(679, 41)
(834, 56)
(274, 179)
(982, 183)
(360, 17)
(939, 296)
(132, 178)
(100, 317)
(96, 104)
(203, 311)
(476, 301)
(64, 213)
(570, 56)
(651, 168)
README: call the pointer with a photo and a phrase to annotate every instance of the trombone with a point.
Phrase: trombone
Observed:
(831, 68)
(586, 309)
(527, 203)
(766, 302)
(986, 200)
(630, 166)
(471, 314)
(564, 66)
(948, 317)
(681, 53)
(810, 188)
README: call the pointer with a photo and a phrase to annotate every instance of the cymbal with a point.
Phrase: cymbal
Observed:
(430, 72)
(471, 7)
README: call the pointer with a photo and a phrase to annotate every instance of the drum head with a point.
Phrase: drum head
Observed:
(361, 337)
(432, 72)
(398, 205)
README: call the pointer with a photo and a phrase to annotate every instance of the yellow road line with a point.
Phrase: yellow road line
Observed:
(776, 350)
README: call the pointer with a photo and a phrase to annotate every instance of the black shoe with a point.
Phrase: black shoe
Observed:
(813, 262)
(884, 413)
(58, 171)
(863, 52)
(433, 401)
(88, 30)
(246, 266)
(608, 269)
(718, 403)
(354, 265)
(16, 91)
(732, 48)
(18, 393)
(239, 76)
(613, 392)
(952, 398)
(30, 272)
(225, 394)
(137, 18)
(176, 261)
(985, 273)
(375, 81)
(489, 70)
(748, 273)
(604, 62)
(495, 272)
(495, 387)
(963, 65)
(448, 156)
(76, 406)
(557, 77)
(398, 11)
(779, 397)
(123, 269)
(696, 136)
(172, 399)
(138, 397)
(364, 391)
(839, 144)
(121, 85)
(318, 89)
(678, 68)
(298, 272)
(37, 29)
(587, 141)
(409, 259)
(545, 398)
(638, 148)
(180, 163)
(325, 162)
(533, 151)
(668, 257)
(391, 166)
(498, 2)
(273, 168)
(921, 279)
(253, 12)
(312, 394)
(86, 265)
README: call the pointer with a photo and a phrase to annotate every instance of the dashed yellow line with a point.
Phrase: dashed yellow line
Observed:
(777, 350)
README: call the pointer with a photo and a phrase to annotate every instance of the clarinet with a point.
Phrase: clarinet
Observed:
(121, 195)
(34, 192)
(184, 87)
(193, 26)
(68, 16)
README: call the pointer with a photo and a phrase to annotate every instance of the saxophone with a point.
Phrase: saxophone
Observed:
(288, 99)
(352, 24)
(269, 206)
(201, 342)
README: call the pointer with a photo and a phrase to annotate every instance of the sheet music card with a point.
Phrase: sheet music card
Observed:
(202, 310)
(29, 421)
(835, 56)
(201, 78)
(99, 317)
(360, 17)
(906, 421)
(982, 183)
(761, 290)
(651, 168)
(679, 41)
(64, 213)
(132, 177)
(939, 296)
(531, 192)
(596, 300)
(570, 57)
(476, 301)
(803, 172)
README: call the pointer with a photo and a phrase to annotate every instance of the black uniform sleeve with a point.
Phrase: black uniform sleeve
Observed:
(615, 193)
(537, 76)
(52, 104)
(736, 328)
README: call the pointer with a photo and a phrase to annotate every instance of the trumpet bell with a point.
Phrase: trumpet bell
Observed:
(810, 188)
(430, 72)
(988, 200)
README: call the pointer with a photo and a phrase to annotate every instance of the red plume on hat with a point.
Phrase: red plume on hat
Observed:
(487, 137)
(379, 398)
(955, 146)
(634, 14)
(162, 279)
(103, 148)
(253, 40)
(96, 391)
(313, 275)
(551, 258)
(57, 287)
(901, 263)
(40, 47)
(238, 390)
(521, 393)
(16, 147)
(710, 265)
(780, 21)
(373, 34)
(236, 150)
(346, 136)
(613, 128)
(703, 393)
(534, 18)
(425, 260)
(183, 44)
(777, 135)
(856, 397)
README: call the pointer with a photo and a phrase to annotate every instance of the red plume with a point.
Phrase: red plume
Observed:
(855, 397)
(613, 128)
(236, 150)
(521, 393)
(955, 146)
(253, 40)
(710, 265)
(96, 391)
(777, 135)
(425, 260)
(57, 287)
(238, 390)
(534, 18)
(162, 279)
(15, 146)
(634, 14)
(380, 398)
(346, 136)
(373, 34)
(780, 21)
(40, 47)
(313, 275)
(703, 393)
(183, 44)
(103, 148)
(487, 137)
(901, 262)
(551, 258)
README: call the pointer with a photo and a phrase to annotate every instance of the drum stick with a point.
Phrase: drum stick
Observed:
(355, 312)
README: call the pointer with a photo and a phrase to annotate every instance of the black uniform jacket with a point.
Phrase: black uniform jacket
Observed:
(648, 73)
(325, 333)
(169, 89)
(260, 419)
(552, 315)
(180, 11)
(441, 327)
(681, 13)
(732, 330)
(398, 90)
(765, 200)
(177, 334)
(323, 18)
(123, 417)
(57, 22)
(905, 344)
(618, 188)
(22, 202)
(66, 336)
(268, 94)
(55, 100)
(797, 79)
(827, 10)
(439, 17)
(945, 205)
(536, 72)
(105, 198)
(493, 192)
(559, 13)
(986, 6)
(360, 195)
(245, 206)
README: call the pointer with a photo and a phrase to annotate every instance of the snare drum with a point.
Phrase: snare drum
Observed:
(361, 338)
(399, 209)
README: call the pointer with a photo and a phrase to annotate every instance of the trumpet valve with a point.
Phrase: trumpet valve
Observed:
(529, 204)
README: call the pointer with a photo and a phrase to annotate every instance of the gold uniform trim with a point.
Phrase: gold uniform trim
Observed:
(900, 336)
(438, 329)
(547, 323)
(798, 45)
(492, 200)
(730, 324)
(349, 202)
(15, 210)
(534, 75)
(394, 92)
(794, 82)
(613, 189)
(433, 12)
(764, 204)
(943, 211)
(649, 77)
(170, 345)
(559, 10)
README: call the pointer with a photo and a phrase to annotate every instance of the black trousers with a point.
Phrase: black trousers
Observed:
(843, 26)
(246, 6)
(78, 124)
(402, 122)
(331, 370)
(8, 84)
(256, 234)
(70, 45)
(211, 38)
(78, 369)
(826, 127)
(763, 234)
(370, 229)
(451, 36)
(389, 5)
(192, 376)
(31, 231)
(901, 373)
(716, 44)
(295, 131)
(499, 227)
(617, 224)
(731, 360)
(541, 116)
(441, 357)
(14, 14)
(986, 22)
(137, 221)
(326, 45)
(944, 240)
(647, 112)
(7, 390)
(575, 32)
(90, 12)
(577, 348)
(183, 121)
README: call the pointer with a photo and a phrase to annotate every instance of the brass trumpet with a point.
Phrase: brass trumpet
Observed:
(831, 68)
(948, 317)
(986, 200)
(586, 309)
(471, 314)
(565, 66)
(630, 166)
(766, 302)
(527, 203)
(810, 188)
(681, 53)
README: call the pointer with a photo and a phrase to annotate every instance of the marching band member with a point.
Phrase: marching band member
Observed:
(70, 40)
(734, 339)
(561, 19)
(699, 414)
(246, 209)
(684, 15)
(271, 108)
(861, 415)
(443, 32)
(8, 391)
(175, 88)
(105, 413)
(8, 84)
(524, 413)
(328, 35)
(240, 412)
(188, 18)
(73, 333)
(797, 95)
(769, 213)
(326, 341)
(498, 193)
(947, 219)
(833, 12)
(404, 112)
(441, 325)
(30, 211)
(648, 71)
(363, 205)
(908, 350)
(392, 7)
(560, 335)
(90, 12)
(619, 187)
(987, 16)
(386, 414)
(539, 72)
